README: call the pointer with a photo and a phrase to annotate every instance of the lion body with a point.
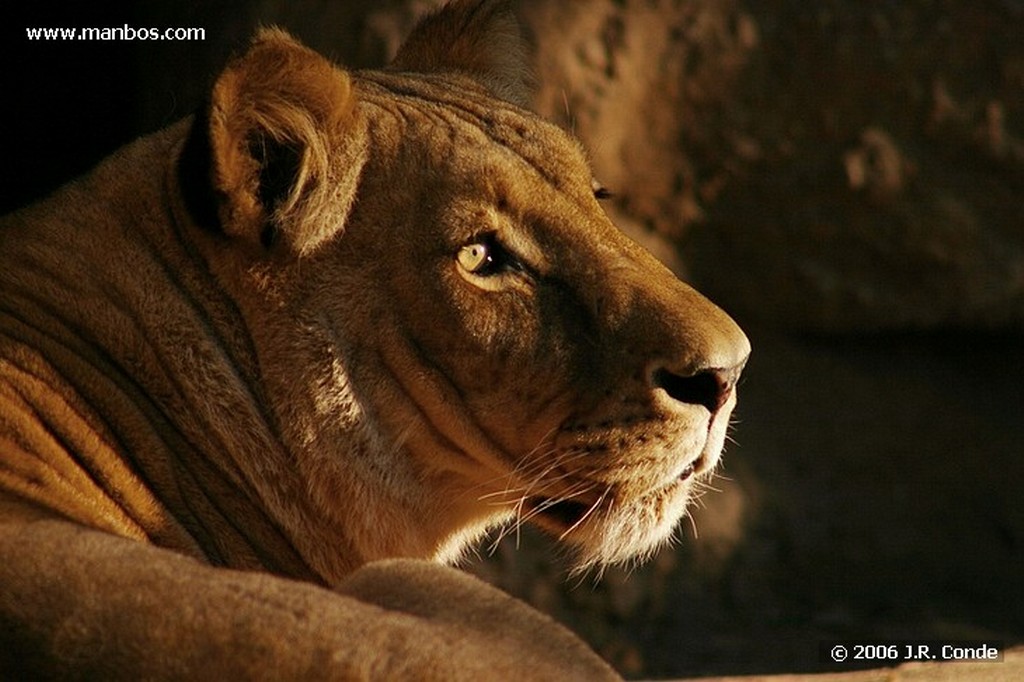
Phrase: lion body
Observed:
(337, 318)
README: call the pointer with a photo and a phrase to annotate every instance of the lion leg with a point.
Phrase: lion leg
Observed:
(81, 604)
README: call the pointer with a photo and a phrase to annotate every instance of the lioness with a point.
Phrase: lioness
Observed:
(253, 364)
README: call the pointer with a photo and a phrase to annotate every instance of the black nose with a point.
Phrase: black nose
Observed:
(708, 387)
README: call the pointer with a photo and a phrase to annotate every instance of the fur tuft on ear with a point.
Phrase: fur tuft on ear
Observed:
(479, 38)
(287, 143)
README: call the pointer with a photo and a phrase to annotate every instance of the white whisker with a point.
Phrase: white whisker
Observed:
(597, 503)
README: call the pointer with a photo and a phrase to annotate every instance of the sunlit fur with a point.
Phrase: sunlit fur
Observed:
(307, 379)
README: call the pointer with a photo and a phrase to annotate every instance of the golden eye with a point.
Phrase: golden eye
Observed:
(475, 258)
(486, 257)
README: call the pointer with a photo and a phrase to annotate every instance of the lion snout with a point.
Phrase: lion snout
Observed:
(710, 388)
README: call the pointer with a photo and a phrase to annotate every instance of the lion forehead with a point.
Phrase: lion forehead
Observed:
(468, 122)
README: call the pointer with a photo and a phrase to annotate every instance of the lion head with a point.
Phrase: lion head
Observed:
(451, 332)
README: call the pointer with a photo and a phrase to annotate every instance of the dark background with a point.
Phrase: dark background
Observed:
(845, 177)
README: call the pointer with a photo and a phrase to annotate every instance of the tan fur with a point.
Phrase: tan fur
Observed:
(481, 40)
(306, 378)
(285, 95)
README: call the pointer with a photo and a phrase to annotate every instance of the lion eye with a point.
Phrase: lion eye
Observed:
(485, 258)
(475, 258)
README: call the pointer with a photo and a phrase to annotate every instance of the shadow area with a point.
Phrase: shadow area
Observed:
(872, 492)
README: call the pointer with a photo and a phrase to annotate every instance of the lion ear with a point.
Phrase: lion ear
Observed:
(479, 38)
(287, 144)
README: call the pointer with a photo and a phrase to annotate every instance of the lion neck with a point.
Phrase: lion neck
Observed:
(110, 318)
(119, 306)
(344, 457)
(323, 460)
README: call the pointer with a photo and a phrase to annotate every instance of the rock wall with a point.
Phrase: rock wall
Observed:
(834, 166)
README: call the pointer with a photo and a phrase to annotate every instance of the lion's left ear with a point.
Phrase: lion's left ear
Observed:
(287, 144)
(478, 38)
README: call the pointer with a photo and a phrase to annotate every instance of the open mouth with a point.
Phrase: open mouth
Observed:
(566, 514)
(562, 514)
(696, 468)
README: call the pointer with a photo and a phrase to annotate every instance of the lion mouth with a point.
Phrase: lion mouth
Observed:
(561, 514)
(564, 514)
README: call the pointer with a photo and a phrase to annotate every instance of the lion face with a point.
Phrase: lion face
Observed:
(590, 385)
(452, 331)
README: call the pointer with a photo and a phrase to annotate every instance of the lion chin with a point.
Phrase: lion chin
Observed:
(613, 526)
(605, 535)
(606, 532)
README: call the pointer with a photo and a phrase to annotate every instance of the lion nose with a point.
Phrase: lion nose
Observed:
(708, 387)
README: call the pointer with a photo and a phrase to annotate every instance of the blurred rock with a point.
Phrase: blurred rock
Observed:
(826, 167)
